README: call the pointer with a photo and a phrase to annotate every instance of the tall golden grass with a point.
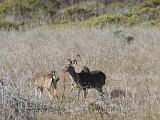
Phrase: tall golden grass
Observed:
(134, 68)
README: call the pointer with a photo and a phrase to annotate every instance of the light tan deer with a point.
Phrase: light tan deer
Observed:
(46, 82)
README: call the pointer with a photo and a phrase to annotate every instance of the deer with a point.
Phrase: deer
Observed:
(46, 82)
(85, 80)
(85, 69)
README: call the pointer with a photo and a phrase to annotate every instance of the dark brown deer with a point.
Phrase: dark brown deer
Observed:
(46, 82)
(85, 69)
(86, 80)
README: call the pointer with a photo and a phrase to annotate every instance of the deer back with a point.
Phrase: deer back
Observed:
(93, 79)
(43, 80)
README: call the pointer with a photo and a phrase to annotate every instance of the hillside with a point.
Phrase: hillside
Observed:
(23, 13)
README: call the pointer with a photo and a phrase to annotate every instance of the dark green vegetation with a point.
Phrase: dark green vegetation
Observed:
(23, 13)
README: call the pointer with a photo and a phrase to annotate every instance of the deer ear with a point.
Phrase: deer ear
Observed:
(58, 79)
(74, 63)
(53, 73)
(69, 62)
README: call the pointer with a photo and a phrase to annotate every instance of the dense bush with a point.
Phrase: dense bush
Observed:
(55, 12)
(102, 20)
(77, 12)
(29, 8)
(8, 25)
(152, 3)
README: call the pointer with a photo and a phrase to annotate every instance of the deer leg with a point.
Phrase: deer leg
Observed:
(85, 92)
(36, 92)
(40, 92)
(49, 94)
(72, 87)
(101, 93)
(79, 91)
(100, 90)
(55, 93)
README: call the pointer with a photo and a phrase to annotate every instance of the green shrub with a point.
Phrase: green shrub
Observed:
(36, 10)
(77, 12)
(146, 10)
(133, 20)
(147, 13)
(112, 19)
(128, 14)
(152, 3)
(7, 6)
(77, 9)
(8, 25)
(155, 23)
(71, 10)
(29, 8)
(102, 20)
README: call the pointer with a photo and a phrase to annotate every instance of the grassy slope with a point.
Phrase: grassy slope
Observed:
(121, 13)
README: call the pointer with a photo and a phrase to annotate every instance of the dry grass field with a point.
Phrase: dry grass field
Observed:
(132, 66)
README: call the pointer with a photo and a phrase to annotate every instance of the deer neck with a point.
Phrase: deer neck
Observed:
(73, 75)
